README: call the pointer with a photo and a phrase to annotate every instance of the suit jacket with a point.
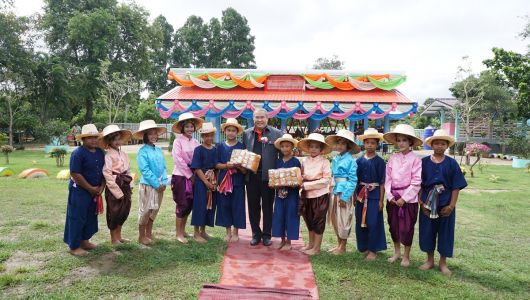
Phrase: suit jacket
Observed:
(269, 153)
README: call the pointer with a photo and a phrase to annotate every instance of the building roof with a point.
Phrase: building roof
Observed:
(439, 104)
(240, 94)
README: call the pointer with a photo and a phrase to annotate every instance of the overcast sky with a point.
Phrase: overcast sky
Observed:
(423, 39)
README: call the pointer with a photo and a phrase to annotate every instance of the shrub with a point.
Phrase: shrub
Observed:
(59, 154)
(6, 149)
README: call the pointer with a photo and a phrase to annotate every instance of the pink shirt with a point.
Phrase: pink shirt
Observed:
(182, 154)
(115, 162)
(403, 171)
(316, 172)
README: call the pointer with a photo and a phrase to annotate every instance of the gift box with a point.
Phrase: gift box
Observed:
(285, 177)
(248, 160)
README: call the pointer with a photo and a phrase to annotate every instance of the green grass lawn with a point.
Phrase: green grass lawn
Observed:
(492, 244)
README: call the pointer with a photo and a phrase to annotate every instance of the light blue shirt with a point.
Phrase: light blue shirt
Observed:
(344, 166)
(152, 166)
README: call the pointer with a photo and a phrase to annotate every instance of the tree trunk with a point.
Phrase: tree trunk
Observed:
(476, 161)
(89, 105)
(10, 124)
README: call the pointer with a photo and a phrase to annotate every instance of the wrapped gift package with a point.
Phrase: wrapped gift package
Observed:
(285, 177)
(248, 160)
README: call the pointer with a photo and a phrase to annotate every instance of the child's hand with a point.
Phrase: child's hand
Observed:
(230, 165)
(425, 211)
(210, 186)
(94, 190)
(161, 188)
(101, 188)
(400, 202)
(342, 203)
(381, 205)
(446, 211)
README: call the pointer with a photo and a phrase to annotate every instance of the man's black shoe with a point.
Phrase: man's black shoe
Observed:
(267, 241)
(254, 242)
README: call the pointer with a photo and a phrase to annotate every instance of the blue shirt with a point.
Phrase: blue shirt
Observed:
(88, 164)
(371, 171)
(344, 166)
(447, 172)
(152, 166)
(204, 158)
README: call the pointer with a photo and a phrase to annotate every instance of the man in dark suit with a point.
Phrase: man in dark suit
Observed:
(260, 140)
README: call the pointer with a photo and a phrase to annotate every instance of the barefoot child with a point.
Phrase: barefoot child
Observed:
(441, 181)
(204, 192)
(285, 219)
(314, 200)
(118, 180)
(153, 180)
(344, 170)
(403, 180)
(85, 187)
(369, 222)
(231, 180)
(181, 178)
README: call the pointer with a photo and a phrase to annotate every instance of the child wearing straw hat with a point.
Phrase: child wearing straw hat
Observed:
(118, 180)
(402, 184)
(285, 218)
(181, 178)
(153, 180)
(344, 170)
(205, 187)
(84, 192)
(231, 179)
(441, 182)
(314, 200)
(369, 222)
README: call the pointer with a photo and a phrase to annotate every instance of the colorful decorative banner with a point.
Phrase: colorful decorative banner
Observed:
(283, 111)
(250, 80)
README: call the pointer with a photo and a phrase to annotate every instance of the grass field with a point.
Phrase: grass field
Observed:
(493, 242)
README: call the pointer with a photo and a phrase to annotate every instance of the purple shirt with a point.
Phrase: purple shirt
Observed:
(182, 153)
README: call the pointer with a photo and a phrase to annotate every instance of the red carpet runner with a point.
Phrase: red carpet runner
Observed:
(267, 267)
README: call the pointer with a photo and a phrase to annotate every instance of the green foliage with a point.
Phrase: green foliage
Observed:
(513, 70)
(519, 141)
(59, 154)
(324, 63)
(55, 128)
(6, 149)
(170, 143)
(238, 43)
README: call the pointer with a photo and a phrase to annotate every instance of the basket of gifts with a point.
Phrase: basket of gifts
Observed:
(285, 177)
(248, 160)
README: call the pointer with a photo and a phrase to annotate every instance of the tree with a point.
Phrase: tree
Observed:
(513, 70)
(470, 94)
(324, 63)
(214, 45)
(15, 54)
(190, 43)
(85, 33)
(117, 86)
(238, 43)
(162, 45)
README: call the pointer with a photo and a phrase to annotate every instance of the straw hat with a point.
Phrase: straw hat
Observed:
(207, 128)
(440, 134)
(285, 138)
(404, 129)
(88, 130)
(187, 116)
(145, 125)
(125, 135)
(345, 134)
(304, 143)
(232, 122)
(371, 133)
